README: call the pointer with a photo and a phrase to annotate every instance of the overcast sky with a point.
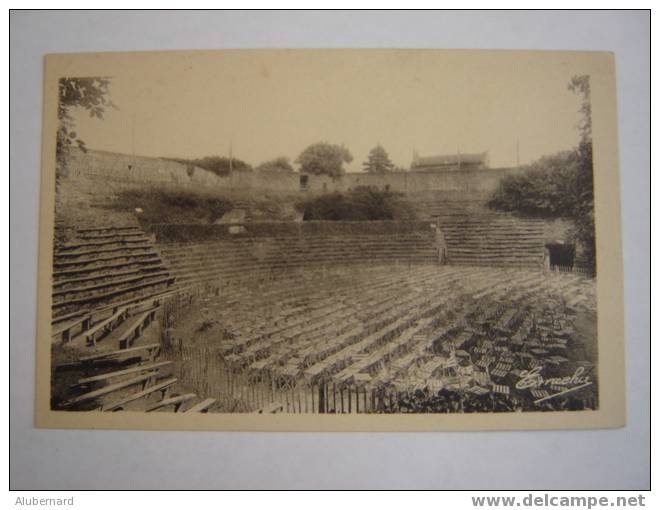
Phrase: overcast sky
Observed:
(275, 103)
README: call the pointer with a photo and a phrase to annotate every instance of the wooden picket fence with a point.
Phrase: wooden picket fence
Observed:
(204, 371)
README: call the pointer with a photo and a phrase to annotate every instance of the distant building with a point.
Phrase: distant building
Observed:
(445, 162)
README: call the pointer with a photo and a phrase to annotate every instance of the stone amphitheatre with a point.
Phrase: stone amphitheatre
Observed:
(461, 310)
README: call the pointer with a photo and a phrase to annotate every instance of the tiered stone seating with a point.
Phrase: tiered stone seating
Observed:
(446, 205)
(94, 267)
(494, 240)
(196, 262)
(478, 236)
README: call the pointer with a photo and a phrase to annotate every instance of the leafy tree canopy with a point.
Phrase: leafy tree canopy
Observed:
(219, 165)
(280, 164)
(560, 185)
(580, 85)
(89, 94)
(585, 225)
(363, 203)
(546, 188)
(378, 161)
(324, 159)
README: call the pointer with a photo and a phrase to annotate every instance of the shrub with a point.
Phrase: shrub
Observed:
(360, 204)
(280, 164)
(173, 206)
(545, 189)
(219, 165)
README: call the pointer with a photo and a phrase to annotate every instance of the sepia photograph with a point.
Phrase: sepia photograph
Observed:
(345, 239)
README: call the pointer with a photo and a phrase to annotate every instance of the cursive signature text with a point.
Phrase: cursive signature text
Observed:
(533, 379)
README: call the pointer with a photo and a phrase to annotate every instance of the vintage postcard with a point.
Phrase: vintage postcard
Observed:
(345, 239)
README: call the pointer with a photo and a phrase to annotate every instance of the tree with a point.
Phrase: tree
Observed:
(90, 94)
(580, 85)
(324, 159)
(219, 165)
(378, 161)
(362, 203)
(560, 185)
(545, 189)
(280, 164)
(585, 225)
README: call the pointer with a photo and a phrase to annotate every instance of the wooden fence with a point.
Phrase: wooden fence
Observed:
(204, 371)
(236, 390)
(571, 269)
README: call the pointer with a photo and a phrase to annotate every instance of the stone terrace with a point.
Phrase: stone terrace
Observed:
(268, 248)
(478, 236)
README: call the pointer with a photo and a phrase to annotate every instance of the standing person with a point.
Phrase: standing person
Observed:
(440, 244)
(546, 259)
